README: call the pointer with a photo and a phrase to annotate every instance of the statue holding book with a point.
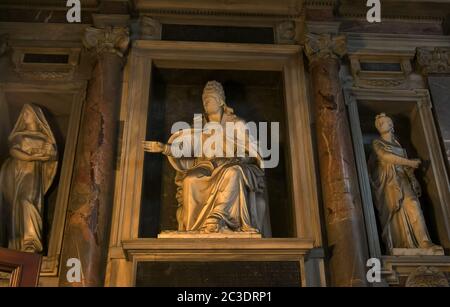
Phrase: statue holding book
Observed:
(218, 190)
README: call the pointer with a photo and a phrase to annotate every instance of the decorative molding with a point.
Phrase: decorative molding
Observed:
(427, 277)
(31, 31)
(398, 270)
(149, 246)
(392, 43)
(286, 32)
(45, 71)
(323, 27)
(243, 8)
(108, 40)
(149, 28)
(46, 75)
(380, 73)
(110, 20)
(320, 3)
(325, 45)
(433, 60)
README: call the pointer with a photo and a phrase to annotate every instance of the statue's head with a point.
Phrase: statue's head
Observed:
(29, 117)
(213, 97)
(384, 123)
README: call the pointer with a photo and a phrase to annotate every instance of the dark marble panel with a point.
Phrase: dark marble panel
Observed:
(440, 94)
(219, 274)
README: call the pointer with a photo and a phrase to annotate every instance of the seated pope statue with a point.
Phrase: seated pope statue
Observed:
(217, 193)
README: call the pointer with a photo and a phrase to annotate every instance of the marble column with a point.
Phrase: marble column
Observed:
(90, 204)
(346, 239)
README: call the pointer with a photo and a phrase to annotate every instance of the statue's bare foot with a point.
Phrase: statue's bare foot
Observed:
(226, 229)
(211, 227)
(430, 245)
(250, 230)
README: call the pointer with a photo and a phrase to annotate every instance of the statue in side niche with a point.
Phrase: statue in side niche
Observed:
(25, 178)
(217, 193)
(397, 191)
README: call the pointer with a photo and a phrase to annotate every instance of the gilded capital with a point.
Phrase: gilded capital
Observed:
(107, 40)
(322, 46)
(433, 60)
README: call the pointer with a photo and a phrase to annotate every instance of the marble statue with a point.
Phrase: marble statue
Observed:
(397, 191)
(25, 178)
(218, 194)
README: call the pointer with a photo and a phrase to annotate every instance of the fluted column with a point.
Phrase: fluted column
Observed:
(347, 246)
(90, 205)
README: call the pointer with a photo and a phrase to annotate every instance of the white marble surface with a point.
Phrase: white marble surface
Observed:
(438, 251)
(197, 234)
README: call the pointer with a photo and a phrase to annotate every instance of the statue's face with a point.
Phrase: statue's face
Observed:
(211, 104)
(27, 117)
(385, 125)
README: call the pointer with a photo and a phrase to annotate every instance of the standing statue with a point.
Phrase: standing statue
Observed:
(26, 176)
(218, 193)
(396, 191)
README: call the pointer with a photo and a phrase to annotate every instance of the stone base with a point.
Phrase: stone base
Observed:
(436, 251)
(198, 235)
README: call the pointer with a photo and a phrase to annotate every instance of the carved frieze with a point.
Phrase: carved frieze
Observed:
(433, 60)
(427, 277)
(44, 63)
(384, 70)
(149, 28)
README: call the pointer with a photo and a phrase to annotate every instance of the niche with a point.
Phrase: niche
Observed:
(175, 96)
(410, 131)
(61, 106)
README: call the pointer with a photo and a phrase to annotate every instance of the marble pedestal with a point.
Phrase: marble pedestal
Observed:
(438, 251)
(197, 235)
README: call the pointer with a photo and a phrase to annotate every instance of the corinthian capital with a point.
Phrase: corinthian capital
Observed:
(107, 40)
(321, 46)
(433, 60)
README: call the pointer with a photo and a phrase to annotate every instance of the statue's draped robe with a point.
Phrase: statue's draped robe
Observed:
(401, 218)
(234, 193)
(24, 184)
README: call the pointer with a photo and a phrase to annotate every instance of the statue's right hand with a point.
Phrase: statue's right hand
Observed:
(414, 163)
(153, 146)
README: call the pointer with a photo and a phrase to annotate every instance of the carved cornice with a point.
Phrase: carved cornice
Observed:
(324, 46)
(264, 8)
(108, 40)
(433, 60)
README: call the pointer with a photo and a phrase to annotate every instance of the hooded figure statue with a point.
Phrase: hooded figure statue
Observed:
(25, 177)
